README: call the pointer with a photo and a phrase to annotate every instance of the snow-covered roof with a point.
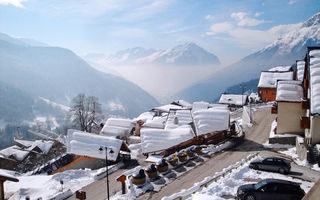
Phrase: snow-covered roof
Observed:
(14, 151)
(315, 81)
(156, 122)
(269, 79)
(300, 69)
(159, 139)
(198, 105)
(254, 96)
(44, 145)
(25, 143)
(211, 120)
(290, 91)
(233, 99)
(9, 175)
(166, 108)
(280, 69)
(216, 105)
(183, 103)
(88, 144)
(117, 127)
(178, 118)
(145, 116)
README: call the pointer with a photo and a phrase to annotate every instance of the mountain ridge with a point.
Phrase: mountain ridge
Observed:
(283, 51)
(186, 54)
(58, 74)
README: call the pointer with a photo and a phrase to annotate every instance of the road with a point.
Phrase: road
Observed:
(255, 137)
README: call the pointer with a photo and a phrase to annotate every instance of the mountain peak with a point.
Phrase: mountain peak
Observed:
(314, 20)
(185, 54)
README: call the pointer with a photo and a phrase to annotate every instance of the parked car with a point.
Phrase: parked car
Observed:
(272, 164)
(271, 189)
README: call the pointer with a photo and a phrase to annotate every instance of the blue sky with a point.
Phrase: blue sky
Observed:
(231, 29)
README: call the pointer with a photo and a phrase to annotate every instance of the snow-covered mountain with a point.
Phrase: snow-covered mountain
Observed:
(58, 75)
(283, 51)
(129, 56)
(188, 54)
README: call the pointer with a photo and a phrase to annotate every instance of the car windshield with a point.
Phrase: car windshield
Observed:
(260, 184)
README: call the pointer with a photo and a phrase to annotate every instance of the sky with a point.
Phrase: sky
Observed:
(231, 29)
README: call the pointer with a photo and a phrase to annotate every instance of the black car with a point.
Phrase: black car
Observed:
(271, 189)
(272, 164)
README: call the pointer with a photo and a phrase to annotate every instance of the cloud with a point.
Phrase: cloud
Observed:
(257, 14)
(179, 30)
(115, 10)
(144, 11)
(283, 29)
(220, 28)
(209, 17)
(250, 37)
(244, 20)
(291, 2)
(17, 3)
(128, 32)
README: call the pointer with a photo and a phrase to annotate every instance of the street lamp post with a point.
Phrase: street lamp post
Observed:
(242, 87)
(107, 170)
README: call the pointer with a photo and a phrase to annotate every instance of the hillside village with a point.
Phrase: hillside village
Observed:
(146, 155)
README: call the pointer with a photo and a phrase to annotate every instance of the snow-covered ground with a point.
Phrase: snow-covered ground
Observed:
(48, 186)
(292, 153)
(229, 183)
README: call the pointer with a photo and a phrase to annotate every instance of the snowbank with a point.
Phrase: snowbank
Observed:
(228, 183)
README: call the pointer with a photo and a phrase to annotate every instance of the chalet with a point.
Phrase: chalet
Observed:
(205, 123)
(267, 86)
(90, 150)
(311, 120)
(233, 100)
(289, 96)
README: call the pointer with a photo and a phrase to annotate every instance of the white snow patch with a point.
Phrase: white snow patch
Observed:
(114, 106)
(48, 186)
(56, 105)
(269, 79)
(229, 183)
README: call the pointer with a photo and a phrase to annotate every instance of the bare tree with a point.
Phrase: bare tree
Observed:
(86, 113)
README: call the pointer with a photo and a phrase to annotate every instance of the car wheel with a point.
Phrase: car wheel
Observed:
(281, 171)
(250, 197)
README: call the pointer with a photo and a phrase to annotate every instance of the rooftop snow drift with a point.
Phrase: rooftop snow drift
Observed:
(269, 79)
(88, 144)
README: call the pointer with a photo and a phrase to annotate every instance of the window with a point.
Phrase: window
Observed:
(288, 189)
(266, 91)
